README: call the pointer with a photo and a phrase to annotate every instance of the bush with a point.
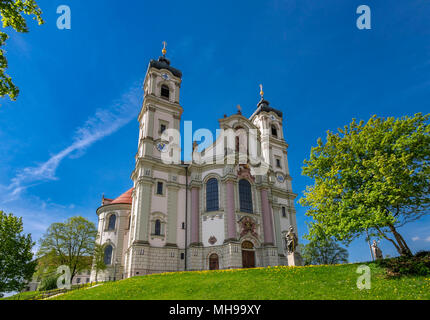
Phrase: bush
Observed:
(418, 265)
(422, 254)
(47, 284)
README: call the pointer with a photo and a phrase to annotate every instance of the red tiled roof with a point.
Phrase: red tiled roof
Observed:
(124, 198)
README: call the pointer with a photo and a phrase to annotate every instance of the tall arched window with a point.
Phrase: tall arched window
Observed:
(108, 255)
(112, 222)
(165, 91)
(157, 227)
(212, 199)
(245, 195)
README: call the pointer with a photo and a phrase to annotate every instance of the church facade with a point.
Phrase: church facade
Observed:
(220, 211)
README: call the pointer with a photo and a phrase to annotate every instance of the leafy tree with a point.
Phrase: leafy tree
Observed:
(99, 259)
(370, 176)
(48, 283)
(16, 265)
(70, 244)
(12, 14)
(324, 251)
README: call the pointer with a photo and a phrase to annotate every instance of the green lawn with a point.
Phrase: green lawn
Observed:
(278, 283)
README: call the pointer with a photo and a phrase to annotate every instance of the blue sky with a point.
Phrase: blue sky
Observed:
(72, 134)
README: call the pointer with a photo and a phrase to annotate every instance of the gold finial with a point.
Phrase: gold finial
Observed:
(164, 49)
(261, 91)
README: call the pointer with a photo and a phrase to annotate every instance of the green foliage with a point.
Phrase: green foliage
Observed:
(70, 244)
(48, 283)
(324, 251)
(12, 13)
(422, 254)
(16, 265)
(371, 176)
(418, 265)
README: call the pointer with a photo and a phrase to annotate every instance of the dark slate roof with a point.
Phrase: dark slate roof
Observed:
(164, 63)
(262, 106)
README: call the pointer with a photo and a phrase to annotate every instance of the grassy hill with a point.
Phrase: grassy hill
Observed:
(277, 283)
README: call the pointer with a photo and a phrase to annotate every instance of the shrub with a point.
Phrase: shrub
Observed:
(417, 265)
(49, 283)
(422, 254)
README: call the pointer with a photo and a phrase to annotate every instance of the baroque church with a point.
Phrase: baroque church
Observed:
(202, 215)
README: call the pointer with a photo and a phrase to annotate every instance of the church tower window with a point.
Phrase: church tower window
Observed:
(108, 255)
(245, 195)
(165, 91)
(162, 128)
(212, 198)
(160, 188)
(274, 132)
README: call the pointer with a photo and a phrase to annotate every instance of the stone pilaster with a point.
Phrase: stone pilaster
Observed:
(172, 213)
(231, 219)
(144, 193)
(267, 218)
(278, 235)
(195, 215)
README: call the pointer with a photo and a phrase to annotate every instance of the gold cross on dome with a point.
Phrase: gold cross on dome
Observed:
(261, 91)
(164, 48)
(239, 108)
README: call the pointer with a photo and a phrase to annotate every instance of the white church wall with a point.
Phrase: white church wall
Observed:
(213, 227)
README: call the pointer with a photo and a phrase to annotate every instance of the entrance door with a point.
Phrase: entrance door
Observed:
(214, 262)
(248, 255)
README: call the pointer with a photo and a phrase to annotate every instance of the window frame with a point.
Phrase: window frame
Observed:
(156, 189)
(212, 195)
(246, 201)
(111, 255)
(274, 131)
(165, 89)
(108, 226)
(278, 162)
(158, 225)
(284, 212)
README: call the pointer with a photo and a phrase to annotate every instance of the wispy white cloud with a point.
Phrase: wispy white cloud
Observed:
(102, 124)
(421, 239)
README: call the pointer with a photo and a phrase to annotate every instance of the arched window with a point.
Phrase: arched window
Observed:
(212, 200)
(245, 195)
(165, 91)
(108, 255)
(112, 222)
(274, 131)
(158, 228)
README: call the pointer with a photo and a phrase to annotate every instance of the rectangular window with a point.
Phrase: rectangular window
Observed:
(78, 280)
(284, 212)
(182, 256)
(162, 128)
(165, 92)
(160, 188)
(278, 163)
(183, 225)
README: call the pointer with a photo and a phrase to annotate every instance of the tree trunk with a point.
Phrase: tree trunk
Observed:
(402, 246)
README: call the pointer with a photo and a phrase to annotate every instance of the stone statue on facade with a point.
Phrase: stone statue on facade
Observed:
(291, 240)
(377, 252)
